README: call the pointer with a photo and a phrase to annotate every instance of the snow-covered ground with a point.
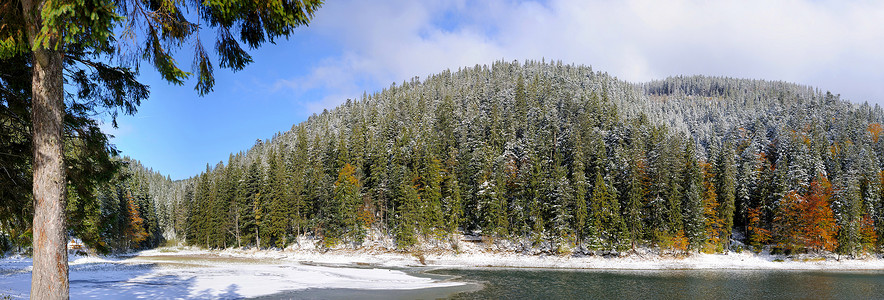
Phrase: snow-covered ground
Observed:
(746, 261)
(481, 257)
(187, 272)
(476, 252)
(195, 275)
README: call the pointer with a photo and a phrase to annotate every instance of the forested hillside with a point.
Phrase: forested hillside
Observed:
(99, 186)
(123, 213)
(118, 210)
(555, 158)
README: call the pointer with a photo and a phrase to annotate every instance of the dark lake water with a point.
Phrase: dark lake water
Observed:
(670, 284)
(628, 284)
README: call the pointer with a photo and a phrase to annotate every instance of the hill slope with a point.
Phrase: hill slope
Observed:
(557, 156)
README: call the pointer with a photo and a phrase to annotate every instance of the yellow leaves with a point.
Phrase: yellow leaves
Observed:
(834, 149)
(713, 222)
(674, 242)
(758, 236)
(12, 45)
(875, 130)
(366, 215)
(347, 176)
(12, 34)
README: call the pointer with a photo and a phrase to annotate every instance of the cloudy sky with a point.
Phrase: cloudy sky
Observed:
(355, 46)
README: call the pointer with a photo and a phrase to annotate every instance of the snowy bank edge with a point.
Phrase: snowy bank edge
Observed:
(393, 259)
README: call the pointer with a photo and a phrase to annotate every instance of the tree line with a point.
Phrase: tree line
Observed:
(557, 157)
(550, 157)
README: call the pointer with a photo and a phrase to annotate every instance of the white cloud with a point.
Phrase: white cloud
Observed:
(834, 45)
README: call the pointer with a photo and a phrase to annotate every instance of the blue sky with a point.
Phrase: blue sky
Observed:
(354, 46)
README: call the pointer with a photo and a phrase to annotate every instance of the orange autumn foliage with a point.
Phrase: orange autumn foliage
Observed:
(366, 213)
(675, 242)
(758, 235)
(821, 229)
(807, 222)
(875, 129)
(134, 232)
(715, 240)
(868, 236)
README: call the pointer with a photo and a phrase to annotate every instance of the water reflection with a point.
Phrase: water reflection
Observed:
(670, 284)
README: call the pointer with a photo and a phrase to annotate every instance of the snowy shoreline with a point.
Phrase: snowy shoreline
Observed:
(194, 273)
(498, 259)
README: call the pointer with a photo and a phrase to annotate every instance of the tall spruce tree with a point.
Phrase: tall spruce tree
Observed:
(47, 29)
(692, 201)
(725, 190)
(632, 209)
(581, 190)
(607, 224)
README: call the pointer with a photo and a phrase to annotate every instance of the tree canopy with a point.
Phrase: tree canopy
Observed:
(581, 162)
(109, 38)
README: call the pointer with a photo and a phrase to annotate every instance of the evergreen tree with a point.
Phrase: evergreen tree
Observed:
(276, 194)
(632, 210)
(296, 176)
(725, 191)
(431, 195)
(47, 29)
(581, 210)
(342, 218)
(848, 208)
(452, 200)
(443, 156)
(606, 221)
(692, 202)
(535, 206)
(561, 198)
(406, 213)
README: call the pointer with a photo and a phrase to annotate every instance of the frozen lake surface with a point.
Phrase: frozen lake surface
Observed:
(209, 277)
(189, 273)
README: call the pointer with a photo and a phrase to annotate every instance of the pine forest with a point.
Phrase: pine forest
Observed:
(541, 157)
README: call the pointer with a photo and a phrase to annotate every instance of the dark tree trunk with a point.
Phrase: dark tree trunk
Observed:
(50, 273)
(49, 279)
